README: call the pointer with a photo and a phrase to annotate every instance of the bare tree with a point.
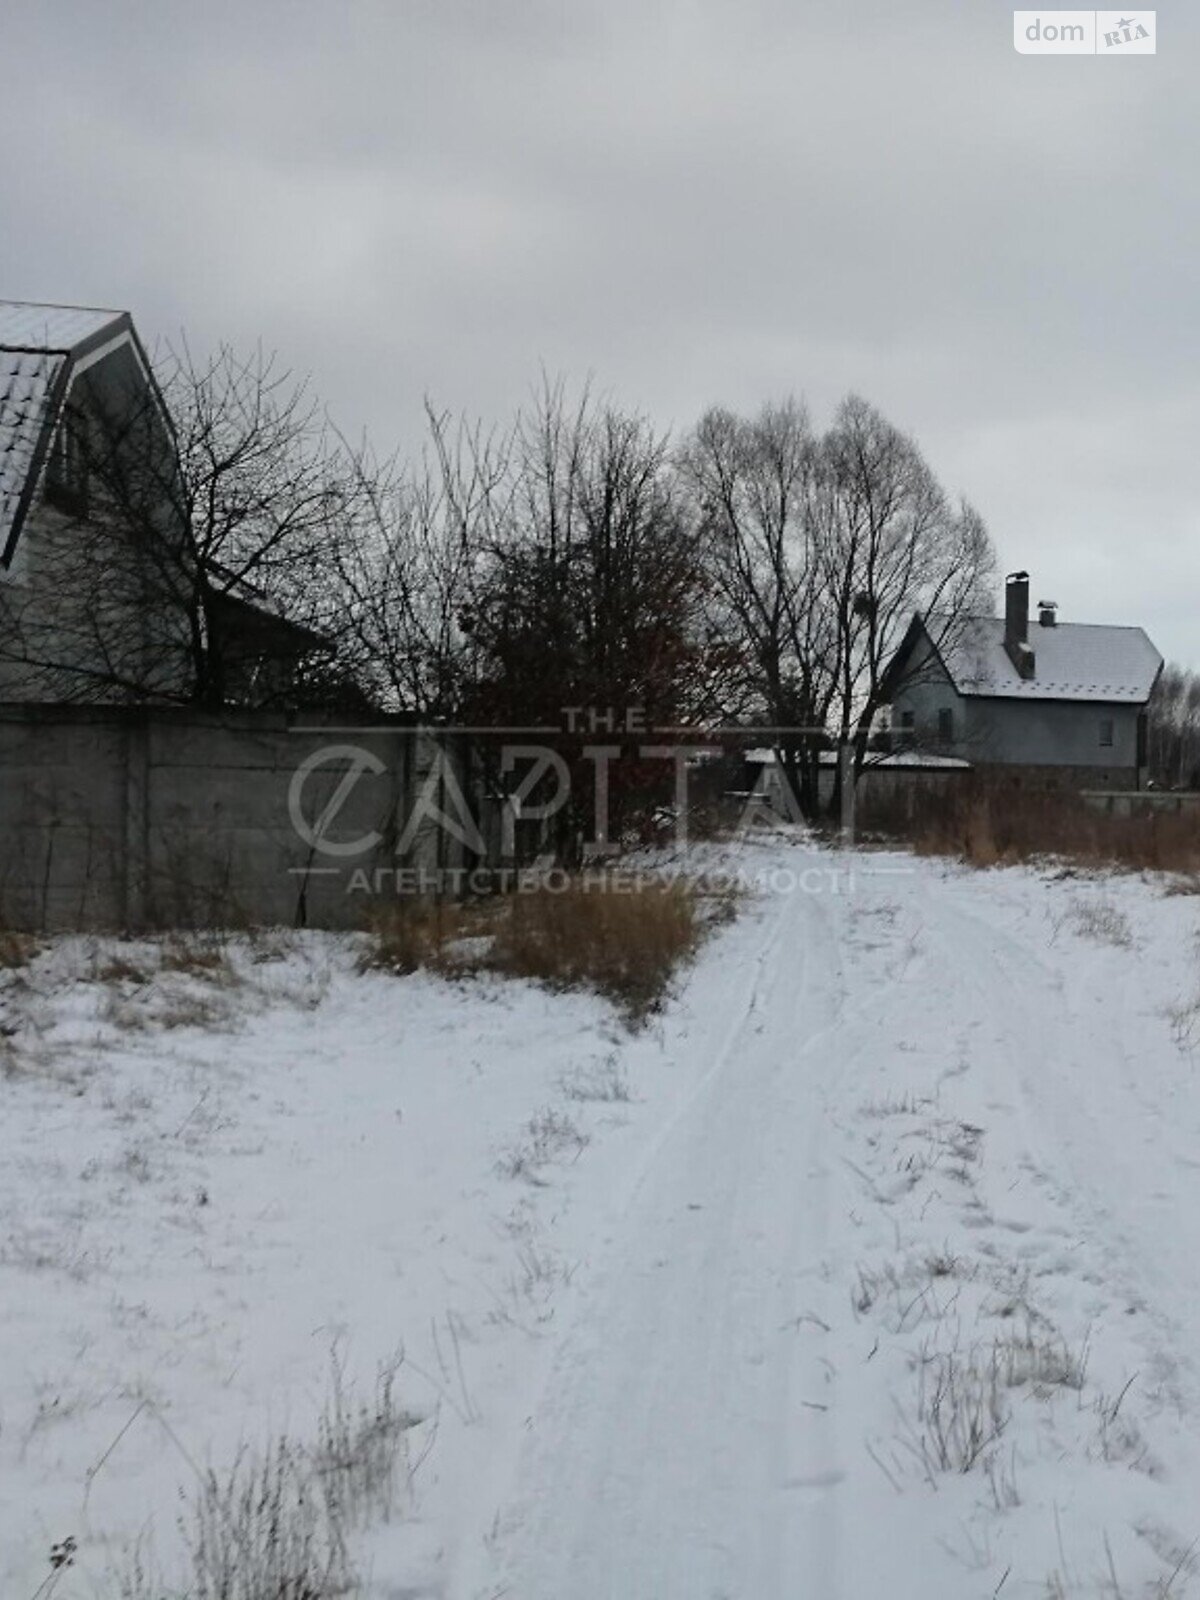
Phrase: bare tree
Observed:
(1173, 729)
(408, 573)
(891, 544)
(752, 482)
(265, 493)
(820, 550)
(588, 594)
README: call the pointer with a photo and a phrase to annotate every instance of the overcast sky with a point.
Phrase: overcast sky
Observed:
(696, 203)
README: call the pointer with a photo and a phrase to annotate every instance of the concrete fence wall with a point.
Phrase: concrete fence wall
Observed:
(133, 818)
(1143, 802)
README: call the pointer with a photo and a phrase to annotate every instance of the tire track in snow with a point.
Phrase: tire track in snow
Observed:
(679, 1453)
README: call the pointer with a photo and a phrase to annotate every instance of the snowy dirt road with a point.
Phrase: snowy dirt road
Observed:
(905, 1298)
(674, 1453)
(870, 1269)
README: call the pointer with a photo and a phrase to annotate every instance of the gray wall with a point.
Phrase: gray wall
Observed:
(1052, 733)
(125, 818)
(927, 690)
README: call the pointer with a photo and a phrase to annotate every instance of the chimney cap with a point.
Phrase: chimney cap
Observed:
(1017, 577)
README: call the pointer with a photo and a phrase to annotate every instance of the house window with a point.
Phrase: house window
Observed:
(907, 724)
(945, 725)
(1106, 732)
(67, 468)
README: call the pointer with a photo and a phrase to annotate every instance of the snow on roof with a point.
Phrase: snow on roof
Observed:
(36, 343)
(919, 758)
(26, 383)
(1072, 661)
(26, 326)
(765, 757)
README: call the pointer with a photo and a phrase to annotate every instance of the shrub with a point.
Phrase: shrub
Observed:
(415, 933)
(625, 939)
(586, 935)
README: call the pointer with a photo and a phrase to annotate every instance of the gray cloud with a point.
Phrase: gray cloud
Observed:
(695, 202)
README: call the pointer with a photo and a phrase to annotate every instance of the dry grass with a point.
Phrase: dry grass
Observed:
(121, 968)
(603, 1081)
(548, 1136)
(152, 1009)
(263, 1530)
(1172, 1584)
(360, 1459)
(16, 949)
(627, 946)
(278, 1525)
(987, 825)
(1100, 921)
(423, 933)
(199, 955)
(624, 939)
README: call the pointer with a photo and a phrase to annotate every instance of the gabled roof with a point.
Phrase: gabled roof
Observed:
(40, 346)
(29, 381)
(24, 325)
(1072, 661)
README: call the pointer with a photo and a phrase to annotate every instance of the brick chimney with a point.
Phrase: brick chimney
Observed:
(1016, 623)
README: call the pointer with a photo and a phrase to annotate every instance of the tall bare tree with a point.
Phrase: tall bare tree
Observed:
(1173, 729)
(752, 481)
(589, 589)
(409, 570)
(820, 549)
(891, 544)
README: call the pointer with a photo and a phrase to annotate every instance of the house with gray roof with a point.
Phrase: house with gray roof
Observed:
(1043, 702)
(46, 353)
(74, 622)
(100, 590)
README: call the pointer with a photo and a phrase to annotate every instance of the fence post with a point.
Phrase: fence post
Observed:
(846, 762)
(136, 821)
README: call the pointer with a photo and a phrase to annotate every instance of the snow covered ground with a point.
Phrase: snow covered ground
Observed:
(870, 1269)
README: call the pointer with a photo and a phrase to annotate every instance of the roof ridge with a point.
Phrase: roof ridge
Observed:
(1123, 627)
(63, 305)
